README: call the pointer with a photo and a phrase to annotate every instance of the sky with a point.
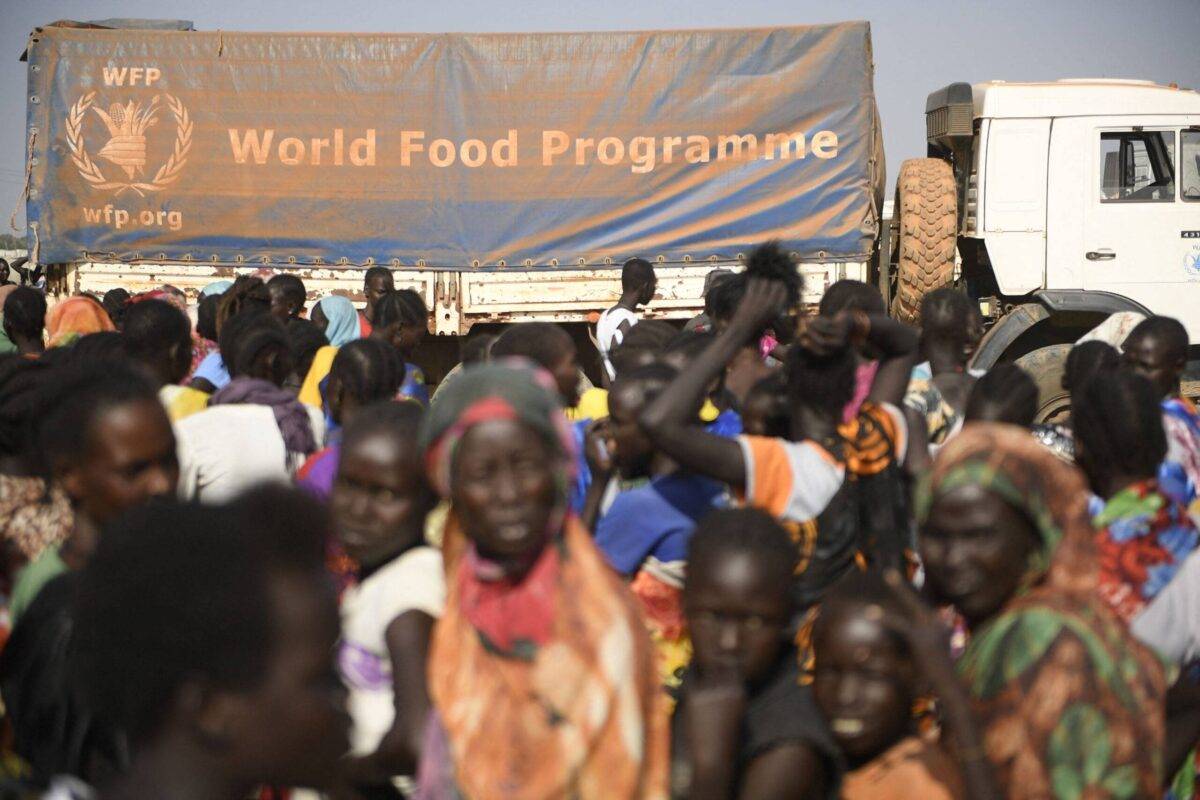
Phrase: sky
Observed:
(920, 45)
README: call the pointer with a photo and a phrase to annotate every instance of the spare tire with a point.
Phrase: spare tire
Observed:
(927, 233)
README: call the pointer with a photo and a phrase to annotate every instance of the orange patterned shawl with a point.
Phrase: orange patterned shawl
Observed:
(585, 718)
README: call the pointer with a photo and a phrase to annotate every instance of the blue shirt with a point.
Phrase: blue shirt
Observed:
(655, 521)
(212, 369)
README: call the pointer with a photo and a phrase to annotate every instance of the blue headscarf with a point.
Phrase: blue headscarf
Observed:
(343, 319)
(217, 287)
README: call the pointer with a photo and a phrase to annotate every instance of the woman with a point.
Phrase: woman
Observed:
(253, 430)
(1144, 536)
(73, 318)
(337, 319)
(1070, 703)
(402, 321)
(364, 372)
(540, 639)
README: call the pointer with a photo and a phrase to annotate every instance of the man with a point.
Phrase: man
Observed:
(376, 283)
(158, 336)
(1157, 349)
(287, 297)
(638, 284)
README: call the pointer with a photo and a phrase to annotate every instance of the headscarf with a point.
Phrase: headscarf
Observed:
(75, 317)
(293, 421)
(1065, 693)
(343, 319)
(1008, 462)
(216, 287)
(513, 390)
(174, 298)
(533, 655)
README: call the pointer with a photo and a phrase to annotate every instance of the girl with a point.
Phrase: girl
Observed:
(379, 504)
(744, 727)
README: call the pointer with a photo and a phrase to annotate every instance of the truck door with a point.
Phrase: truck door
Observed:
(1141, 224)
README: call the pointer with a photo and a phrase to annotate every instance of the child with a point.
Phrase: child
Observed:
(379, 502)
(744, 727)
(645, 532)
(872, 655)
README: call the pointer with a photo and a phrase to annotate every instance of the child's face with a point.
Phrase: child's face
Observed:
(737, 615)
(380, 498)
(631, 449)
(861, 682)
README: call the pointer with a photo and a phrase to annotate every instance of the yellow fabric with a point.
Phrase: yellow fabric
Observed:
(187, 401)
(310, 392)
(593, 404)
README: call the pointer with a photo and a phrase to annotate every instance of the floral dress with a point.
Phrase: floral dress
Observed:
(1142, 538)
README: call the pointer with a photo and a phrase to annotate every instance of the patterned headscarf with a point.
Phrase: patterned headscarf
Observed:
(75, 317)
(513, 390)
(343, 319)
(1007, 461)
(1065, 695)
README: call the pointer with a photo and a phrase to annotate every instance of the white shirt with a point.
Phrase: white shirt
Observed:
(412, 582)
(1171, 622)
(609, 335)
(225, 450)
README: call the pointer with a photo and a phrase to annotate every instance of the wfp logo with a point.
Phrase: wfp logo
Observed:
(127, 127)
(1191, 265)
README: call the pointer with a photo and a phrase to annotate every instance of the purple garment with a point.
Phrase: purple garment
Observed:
(290, 415)
(363, 669)
(318, 473)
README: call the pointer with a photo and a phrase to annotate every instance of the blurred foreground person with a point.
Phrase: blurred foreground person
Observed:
(207, 635)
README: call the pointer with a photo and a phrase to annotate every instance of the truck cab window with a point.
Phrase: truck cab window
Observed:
(1137, 166)
(1189, 165)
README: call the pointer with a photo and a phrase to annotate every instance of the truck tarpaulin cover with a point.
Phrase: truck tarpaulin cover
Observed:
(451, 150)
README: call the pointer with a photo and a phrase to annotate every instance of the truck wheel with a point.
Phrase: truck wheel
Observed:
(926, 205)
(1046, 366)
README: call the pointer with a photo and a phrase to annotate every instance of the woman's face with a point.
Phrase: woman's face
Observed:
(504, 490)
(319, 319)
(976, 549)
(861, 682)
(737, 615)
(380, 499)
(129, 457)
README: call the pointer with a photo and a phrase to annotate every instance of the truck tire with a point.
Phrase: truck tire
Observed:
(1046, 366)
(927, 210)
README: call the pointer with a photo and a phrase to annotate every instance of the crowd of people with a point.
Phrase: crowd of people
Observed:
(250, 551)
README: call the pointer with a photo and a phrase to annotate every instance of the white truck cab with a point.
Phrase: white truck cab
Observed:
(1063, 201)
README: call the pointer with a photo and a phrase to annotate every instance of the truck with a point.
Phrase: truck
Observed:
(506, 177)
(1053, 205)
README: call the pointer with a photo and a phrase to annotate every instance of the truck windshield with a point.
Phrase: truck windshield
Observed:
(1189, 165)
(1137, 166)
